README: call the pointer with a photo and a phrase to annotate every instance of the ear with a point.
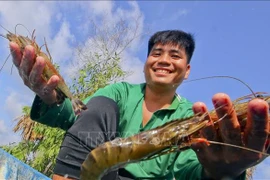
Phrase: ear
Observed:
(187, 71)
(144, 66)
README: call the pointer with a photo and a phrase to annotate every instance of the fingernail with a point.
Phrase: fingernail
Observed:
(220, 102)
(199, 109)
(28, 51)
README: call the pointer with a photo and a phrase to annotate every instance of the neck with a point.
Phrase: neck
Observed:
(158, 98)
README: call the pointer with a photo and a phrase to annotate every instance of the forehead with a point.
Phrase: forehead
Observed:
(168, 47)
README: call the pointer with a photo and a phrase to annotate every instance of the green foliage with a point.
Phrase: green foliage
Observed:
(46, 150)
(26, 110)
(97, 73)
(21, 150)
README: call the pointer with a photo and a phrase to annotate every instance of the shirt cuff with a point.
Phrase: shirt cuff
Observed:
(56, 115)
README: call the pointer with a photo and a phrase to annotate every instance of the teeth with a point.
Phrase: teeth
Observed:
(162, 70)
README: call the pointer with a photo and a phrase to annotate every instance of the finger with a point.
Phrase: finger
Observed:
(229, 126)
(209, 133)
(257, 129)
(15, 53)
(28, 60)
(48, 93)
(201, 152)
(35, 77)
(267, 144)
(51, 84)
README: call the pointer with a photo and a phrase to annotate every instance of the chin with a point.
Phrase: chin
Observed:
(162, 84)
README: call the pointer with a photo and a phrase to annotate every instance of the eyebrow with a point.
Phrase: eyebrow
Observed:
(175, 51)
(171, 50)
(157, 49)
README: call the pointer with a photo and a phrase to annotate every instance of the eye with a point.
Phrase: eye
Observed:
(175, 57)
(259, 96)
(156, 54)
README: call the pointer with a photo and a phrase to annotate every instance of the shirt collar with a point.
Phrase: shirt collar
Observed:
(176, 100)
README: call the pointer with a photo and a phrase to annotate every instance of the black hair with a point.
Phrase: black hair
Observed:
(174, 37)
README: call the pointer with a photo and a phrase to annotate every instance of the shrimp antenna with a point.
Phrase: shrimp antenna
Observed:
(33, 35)
(3, 36)
(22, 26)
(4, 29)
(240, 147)
(4, 63)
(209, 77)
(11, 68)
(47, 49)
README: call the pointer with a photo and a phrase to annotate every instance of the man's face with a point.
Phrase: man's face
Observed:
(166, 66)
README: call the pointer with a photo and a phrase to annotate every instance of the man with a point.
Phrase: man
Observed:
(130, 109)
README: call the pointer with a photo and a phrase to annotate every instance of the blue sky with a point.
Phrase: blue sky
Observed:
(232, 38)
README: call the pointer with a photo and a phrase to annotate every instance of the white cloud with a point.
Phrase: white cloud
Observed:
(3, 127)
(60, 48)
(12, 108)
(101, 7)
(6, 134)
(105, 11)
(13, 104)
(16, 99)
(133, 16)
(135, 66)
(107, 23)
(38, 16)
(9, 138)
(32, 14)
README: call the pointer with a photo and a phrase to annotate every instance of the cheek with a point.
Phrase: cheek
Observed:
(181, 69)
(146, 69)
(147, 66)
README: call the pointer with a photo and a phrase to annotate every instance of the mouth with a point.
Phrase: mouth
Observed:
(163, 71)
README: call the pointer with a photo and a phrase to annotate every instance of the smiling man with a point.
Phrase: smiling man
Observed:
(124, 109)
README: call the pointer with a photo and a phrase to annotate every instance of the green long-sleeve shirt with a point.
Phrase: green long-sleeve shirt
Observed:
(129, 98)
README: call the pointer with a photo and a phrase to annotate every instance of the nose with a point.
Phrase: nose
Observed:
(164, 59)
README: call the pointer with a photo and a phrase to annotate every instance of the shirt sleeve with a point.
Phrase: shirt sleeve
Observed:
(62, 115)
(116, 92)
(57, 115)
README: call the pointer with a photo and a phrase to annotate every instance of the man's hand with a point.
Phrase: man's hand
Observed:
(224, 161)
(30, 69)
